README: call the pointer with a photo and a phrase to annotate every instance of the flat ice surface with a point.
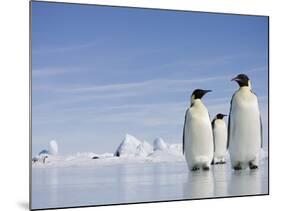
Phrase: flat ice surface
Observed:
(71, 186)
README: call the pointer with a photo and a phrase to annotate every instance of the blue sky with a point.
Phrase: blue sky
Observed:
(101, 72)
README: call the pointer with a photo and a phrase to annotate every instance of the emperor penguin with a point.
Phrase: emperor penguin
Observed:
(198, 146)
(244, 126)
(220, 138)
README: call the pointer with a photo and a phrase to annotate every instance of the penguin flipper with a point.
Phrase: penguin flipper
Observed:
(261, 132)
(183, 135)
(228, 131)
(229, 120)
(213, 125)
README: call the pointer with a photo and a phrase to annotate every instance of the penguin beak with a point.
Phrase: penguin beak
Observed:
(220, 116)
(206, 91)
(235, 79)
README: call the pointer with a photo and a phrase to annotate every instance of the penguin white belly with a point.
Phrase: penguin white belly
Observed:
(220, 139)
(245, 134)
(199, 138)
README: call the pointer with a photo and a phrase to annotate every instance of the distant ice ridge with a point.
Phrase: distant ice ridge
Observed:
(51, 153)
(53, 147)
(87, 155)
(159, 144)
(144, 149)
(130, 150)
(132, 147)
(128, 147)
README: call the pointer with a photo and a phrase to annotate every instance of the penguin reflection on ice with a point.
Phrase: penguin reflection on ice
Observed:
(220, 138)
(244, 126)
(245, 183)
(199, 185)
(198, 145)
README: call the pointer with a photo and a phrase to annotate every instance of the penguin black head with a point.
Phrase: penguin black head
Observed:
(199, 93)
(220, 116)
(242, 80)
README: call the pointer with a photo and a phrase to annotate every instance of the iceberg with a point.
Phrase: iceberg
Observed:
(144, 149)
(159, 144)
(53, 147)
(128, 146)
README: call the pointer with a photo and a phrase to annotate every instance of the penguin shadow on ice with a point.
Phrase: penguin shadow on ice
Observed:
(199, 184)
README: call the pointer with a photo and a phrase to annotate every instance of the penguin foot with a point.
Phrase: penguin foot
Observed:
(238, 167)
(195, 168)
(222, 162)
(206, 168)
(253, 166)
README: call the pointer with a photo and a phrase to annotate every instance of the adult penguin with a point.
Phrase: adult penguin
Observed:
(198, 144)
(244, 126)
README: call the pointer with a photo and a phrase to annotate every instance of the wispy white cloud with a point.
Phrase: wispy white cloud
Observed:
(155, 83)
(80, 99)
(45, 72)
(64, 49)
(149, 88)
(87, 93)
(144, 113)
(131, 85)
